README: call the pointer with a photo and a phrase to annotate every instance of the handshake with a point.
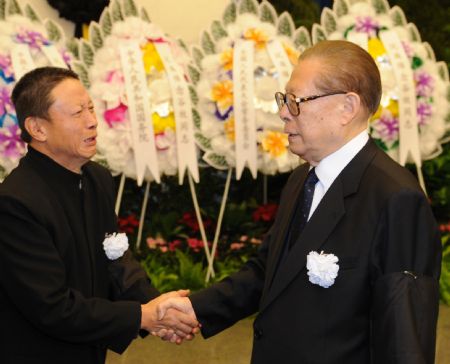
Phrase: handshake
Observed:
(170, 317)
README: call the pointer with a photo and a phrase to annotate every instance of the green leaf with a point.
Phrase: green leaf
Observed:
(413, 32)
(106, 22)
(87, 53)
(193, 94)
(248, 6)
(197, 55)
(285, 25)
(318, 33)
(328, 21)
(2, 9)
(340, 7)
(73, 47)
(430, 51)
(144, 15)
(31, 14)
(196, 118)
(215, 160)
(54, 31)
(267, 13)
(217, 30)
(442, 71)
(13, 8)
(194, 74)
(397, 16)
(302, 39)
(82, 72)
(203, 142)
(95, 35)
(116, 11)
(129, 8)
(229, 14)
(208, 45)
(380, 6)
(183, 45)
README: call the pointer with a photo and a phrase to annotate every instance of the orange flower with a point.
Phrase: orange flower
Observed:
(275, 143)
(222, 93)
(226, 59)
(258, 36)
(229, 128)
(292, 53)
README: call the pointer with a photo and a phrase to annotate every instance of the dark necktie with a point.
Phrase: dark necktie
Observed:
(303, 207)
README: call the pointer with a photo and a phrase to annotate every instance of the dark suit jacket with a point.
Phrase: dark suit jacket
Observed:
(377, 221)
(57, 286)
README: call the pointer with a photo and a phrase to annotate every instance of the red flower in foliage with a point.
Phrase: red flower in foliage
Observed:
(265, 212)
(195, 244)
(189, 219)
(128, 224)
(173, 245)
(445, 228)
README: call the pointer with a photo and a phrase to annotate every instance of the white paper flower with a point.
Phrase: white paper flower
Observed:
(322, 268)
(115, 245)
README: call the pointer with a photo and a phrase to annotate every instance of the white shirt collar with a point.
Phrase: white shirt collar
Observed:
(329, 168)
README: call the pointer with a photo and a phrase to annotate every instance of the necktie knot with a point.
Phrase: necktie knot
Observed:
(311, 178)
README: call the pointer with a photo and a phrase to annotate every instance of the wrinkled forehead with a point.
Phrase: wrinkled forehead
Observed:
(69, 92)
(303, 77)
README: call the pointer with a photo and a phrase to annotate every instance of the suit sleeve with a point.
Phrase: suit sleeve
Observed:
(406, 268)
(33, 278)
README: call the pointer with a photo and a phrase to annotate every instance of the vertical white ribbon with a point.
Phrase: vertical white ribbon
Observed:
(244, 111)
(186, 149)
(53, 56)
(408, 127)
(21, 60)
(361, 39)
(139, 112)
(281, 62)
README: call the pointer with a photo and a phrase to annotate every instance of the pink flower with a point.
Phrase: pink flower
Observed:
(236, 246)
(424, 83)
(367, 25)
(11, 145)
(387, 127)
(424, 113)
(173, 245)
(116, 115)
(195, 244)
(155, 243)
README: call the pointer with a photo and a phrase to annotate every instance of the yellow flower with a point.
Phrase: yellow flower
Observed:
(229, 128)
(392, 107)
(376, 48)
(222, 93)
(160, 124)
(275, 143)
(292, 53)
(258, 36)
(151, 58)
(226, 59)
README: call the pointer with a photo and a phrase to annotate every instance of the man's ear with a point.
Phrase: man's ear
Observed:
(35, 126)
(352, 107)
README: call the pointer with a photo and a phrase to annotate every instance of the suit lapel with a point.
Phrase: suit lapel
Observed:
(322, 223)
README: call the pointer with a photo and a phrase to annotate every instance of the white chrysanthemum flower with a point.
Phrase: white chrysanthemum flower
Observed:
(322, 268)
(115, 245)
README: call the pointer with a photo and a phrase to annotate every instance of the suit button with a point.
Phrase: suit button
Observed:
(257, 334)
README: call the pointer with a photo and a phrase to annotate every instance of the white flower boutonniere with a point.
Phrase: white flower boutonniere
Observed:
(322, 268)
(115, 245)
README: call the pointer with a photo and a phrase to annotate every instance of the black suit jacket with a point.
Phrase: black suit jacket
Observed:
(377, 221)
(61, 299)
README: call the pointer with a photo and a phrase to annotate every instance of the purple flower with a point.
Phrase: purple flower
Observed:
(367, 25)
(6, 106)
(6, 70)
(387, 127)
(424, 113)
(11, 145)
(33, 39)
(408, 49)
(424, 83)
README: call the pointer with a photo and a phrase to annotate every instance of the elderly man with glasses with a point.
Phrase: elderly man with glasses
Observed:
(349, 271)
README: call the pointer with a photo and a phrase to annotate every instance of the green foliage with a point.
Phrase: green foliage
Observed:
(194, 74)
(106, 22)
(54, 31)
(229, 15)
(129, 8)
(31, 14)
(267, 13)
(13, 8)
(95, 35)
(248, 6)
(116, 11)
(217, 30)
(144, 16)
(82, 72)
(207, 44)
(87, 53)
(2, 9)
(445, 270)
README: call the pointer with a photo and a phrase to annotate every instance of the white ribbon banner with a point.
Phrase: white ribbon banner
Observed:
(139, 112)
(408, 127)
(361, 39)
(186, 150)
(53, 56)
(21, 60)
(244, 112)
(281, 62)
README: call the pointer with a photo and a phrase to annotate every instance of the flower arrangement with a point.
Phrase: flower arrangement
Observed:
(215, 75)
(100, 63)
(431, 81)
(21, 27)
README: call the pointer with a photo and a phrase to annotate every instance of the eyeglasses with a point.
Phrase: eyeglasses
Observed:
(293, 102)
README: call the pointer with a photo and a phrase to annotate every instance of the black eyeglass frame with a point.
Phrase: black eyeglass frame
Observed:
(280, 98)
